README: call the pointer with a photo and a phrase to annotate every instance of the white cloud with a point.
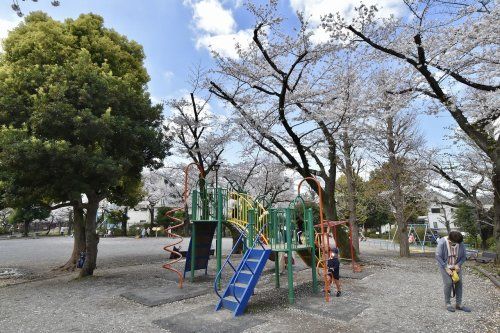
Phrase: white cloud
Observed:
(216, 28)
(210, 17)
(5, 27)
(225, 45)
(168, 75)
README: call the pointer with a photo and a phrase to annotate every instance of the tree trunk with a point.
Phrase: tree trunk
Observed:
(351, 191)
(26, 228)
(398, 197)
(91, 237)
(124, 222)
(79, 243)
(151, 210)
(235, 234)
(330, 212)
(70, 222)
(496, 200)
(404, 245)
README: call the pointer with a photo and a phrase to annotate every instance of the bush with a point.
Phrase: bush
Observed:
(471, 240)
(4, 230)
(135, 230)
(117, 232)
(490, 242)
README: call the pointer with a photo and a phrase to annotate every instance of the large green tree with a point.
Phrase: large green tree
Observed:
(28, 214)
(77, 125)
(465, 219)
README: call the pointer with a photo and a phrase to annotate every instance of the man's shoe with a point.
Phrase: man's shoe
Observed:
(338, 293)
(450, 308)
(462, 308)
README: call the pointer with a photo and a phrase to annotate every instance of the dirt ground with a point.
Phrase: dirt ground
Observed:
(391, 295)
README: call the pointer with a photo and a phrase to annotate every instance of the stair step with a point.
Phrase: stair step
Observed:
(230, 303)
(230, 298)
(241, 285)
(253, 260)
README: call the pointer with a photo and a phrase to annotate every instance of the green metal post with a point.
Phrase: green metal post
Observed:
(313, 249)
(274, 239)
(291, 295)
(193, 250)
(194, 206)
(251, 223)
(219, 231)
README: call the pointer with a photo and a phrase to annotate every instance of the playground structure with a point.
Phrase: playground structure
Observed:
(428, 238)
(263, 230)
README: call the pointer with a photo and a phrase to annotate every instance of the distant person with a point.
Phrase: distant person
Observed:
(143, 232)
(148, 232)
(300, 229)
(450, 256)
(411, 238)
(333, 265)
(232, 208)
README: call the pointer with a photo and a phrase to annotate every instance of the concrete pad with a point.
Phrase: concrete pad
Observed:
(167, 294)
(208, 320)
(341, 308)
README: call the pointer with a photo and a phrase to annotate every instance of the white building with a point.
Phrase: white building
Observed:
(438, 213)
(139, 215)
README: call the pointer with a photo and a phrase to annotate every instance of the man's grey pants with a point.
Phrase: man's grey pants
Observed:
(447, 282)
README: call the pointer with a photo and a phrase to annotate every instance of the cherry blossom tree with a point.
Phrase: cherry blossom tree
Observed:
(281, 90)
(452, 48)
(199, 134)
(262, 176)
(464, 172)
(396, 142)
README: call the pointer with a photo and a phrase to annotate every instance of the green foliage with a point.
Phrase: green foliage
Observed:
(166, 221)
(134, 230)
(116, 217)
(465, 219)
(299, 210)
(28, 214)
(342, 196)
(371, 210)
(75, 116)
(490, 242)
(378, 192)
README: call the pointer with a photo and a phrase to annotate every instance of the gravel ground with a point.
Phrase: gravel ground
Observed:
(401, 295)
(35, 258)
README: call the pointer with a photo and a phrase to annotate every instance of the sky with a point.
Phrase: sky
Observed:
(179, 34)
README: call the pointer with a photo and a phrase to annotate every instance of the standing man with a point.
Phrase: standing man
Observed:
(450, 255)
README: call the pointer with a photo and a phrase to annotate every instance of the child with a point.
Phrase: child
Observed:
(333, 265)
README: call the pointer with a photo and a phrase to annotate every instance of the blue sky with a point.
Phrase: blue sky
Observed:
(177, 34)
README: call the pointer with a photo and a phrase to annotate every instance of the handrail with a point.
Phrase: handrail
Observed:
(248, 203)
(219, 274)
(257, 239)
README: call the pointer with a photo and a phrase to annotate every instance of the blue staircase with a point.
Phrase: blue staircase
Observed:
(242, 284)
(204, 235)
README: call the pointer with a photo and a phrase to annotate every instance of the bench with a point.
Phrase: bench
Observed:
(471, 254)
(487, 257)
